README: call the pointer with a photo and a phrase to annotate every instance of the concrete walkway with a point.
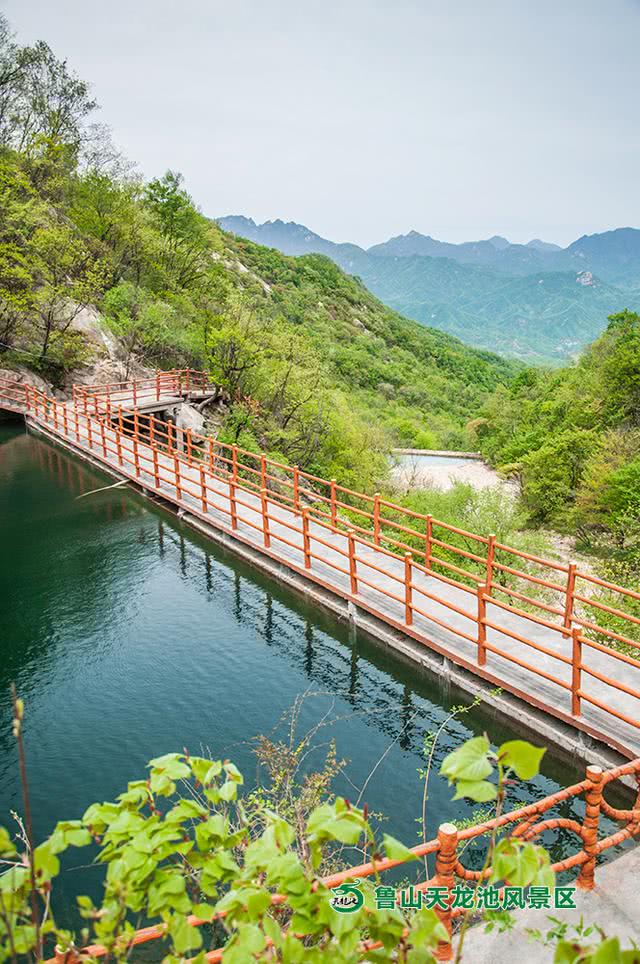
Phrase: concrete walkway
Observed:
(380, 578)
(613, 905)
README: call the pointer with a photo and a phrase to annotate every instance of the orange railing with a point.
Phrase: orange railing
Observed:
(325, 527)
(391, 561)
(448, 847)
(178, 382)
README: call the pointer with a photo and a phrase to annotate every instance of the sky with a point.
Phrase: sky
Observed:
(365, 119)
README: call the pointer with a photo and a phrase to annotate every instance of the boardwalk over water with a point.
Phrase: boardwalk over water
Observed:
(536, 662)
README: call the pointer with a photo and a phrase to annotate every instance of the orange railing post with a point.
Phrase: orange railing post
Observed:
(593, 802)
(263, 471)
(408, 612)
(104, 439)
(234, 462)
(576, 670)
(156, 468)
(306, 541)
(119, 434)
(203, 487)
(65, 421)
(334, 509)
(296, 488)
(189, 446)
(135, 394)
(233, 505)
(55, 415)
(136, 456)
(211, 455)
(428, 540)
(176, 469)
(571, 585)
(265, 517)
(376, 518)
(170, 445)
(491, 551)
(482, 629)
(89, 432)
(353, 579)
(157, 385)
(446, 860)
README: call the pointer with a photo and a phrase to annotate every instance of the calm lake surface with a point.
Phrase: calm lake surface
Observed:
(128, 637)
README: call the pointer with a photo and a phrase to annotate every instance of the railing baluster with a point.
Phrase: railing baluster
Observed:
(334, 509)
(576, 670)
(429, 545)
(203, 488)
(408, 595)
(482, 629)
(446, 859)
(265, 518)
(156, 468)
(491, 551)
(569, 594)
(296, 488)
(176, 469)
(352, 561)
(306, 541)
(593, 802)
(233, 505)
(376, 518)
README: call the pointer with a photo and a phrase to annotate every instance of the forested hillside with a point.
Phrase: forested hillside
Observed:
(312, 366)
(573, 437)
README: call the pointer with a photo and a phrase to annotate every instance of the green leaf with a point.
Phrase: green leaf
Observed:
(7, 848)
(523, 758)
(185, 809)
(469, 762)
(45, 862)
(479, 790)
(233, 773)
(521, 863)
(396, 850)
(205, 771)
(228, 791)
(171, 765)
(185, 937)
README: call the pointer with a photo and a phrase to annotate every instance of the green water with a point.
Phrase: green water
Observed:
(129, 637)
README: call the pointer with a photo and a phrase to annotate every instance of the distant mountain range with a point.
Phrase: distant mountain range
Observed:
(535, 301)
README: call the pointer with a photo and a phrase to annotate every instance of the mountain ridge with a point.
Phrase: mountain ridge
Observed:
(534, 301)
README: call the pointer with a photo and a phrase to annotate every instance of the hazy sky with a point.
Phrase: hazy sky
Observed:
(458, 118)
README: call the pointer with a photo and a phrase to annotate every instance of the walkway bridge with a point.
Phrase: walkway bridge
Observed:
(562, 640)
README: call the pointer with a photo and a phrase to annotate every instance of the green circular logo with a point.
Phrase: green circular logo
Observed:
(347, 898)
